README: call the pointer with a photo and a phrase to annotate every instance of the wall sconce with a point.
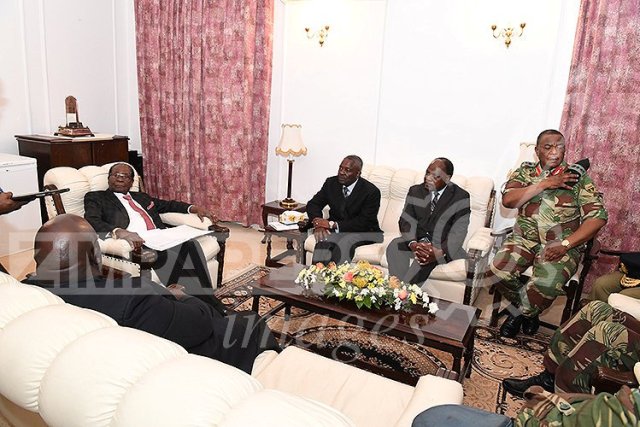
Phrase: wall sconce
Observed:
(507, 33)
(290, 146)
(322, 34)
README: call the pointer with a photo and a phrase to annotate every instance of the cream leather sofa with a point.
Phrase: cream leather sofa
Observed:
(117, 252)
(65, 366)
(457, 280)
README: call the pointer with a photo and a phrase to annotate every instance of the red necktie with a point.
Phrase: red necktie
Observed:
(145, 216)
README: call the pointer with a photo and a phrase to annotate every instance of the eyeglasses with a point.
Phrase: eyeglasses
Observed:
(122, 176)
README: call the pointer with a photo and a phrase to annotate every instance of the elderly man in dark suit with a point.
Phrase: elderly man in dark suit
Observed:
(433, 225)
(68, 263)
(120, 214)
(353, 214)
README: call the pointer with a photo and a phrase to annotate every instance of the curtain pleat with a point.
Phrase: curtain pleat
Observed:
(601, 117)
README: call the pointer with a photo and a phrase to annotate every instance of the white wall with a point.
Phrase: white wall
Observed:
(50, 49)
(400, 82)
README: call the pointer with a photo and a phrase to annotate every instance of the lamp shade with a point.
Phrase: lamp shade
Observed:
(291, 141)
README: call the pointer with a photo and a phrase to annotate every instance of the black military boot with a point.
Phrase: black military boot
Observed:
(530, 325)
(511, 325)
(518, 387)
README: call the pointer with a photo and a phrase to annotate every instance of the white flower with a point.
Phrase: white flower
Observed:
(433, 307)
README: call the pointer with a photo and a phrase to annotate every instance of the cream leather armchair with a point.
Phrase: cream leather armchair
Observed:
(117, 253)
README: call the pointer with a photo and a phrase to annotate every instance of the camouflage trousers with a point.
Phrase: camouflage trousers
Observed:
(544, 285)
(598, 335)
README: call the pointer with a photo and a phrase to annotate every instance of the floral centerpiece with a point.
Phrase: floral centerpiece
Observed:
(366, 285)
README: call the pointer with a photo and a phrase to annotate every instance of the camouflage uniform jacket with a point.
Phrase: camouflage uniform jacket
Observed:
(555, 213)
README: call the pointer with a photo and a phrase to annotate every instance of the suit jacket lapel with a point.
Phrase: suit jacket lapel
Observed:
(116, 202)
(443, 202)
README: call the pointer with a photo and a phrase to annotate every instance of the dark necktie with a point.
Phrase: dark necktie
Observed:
(434, 202)
(145, 216)
(345, 191)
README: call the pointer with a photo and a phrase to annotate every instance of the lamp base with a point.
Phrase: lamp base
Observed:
(288, 203)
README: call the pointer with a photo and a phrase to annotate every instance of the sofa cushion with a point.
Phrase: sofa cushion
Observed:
(40, 334)
(303, 373)
(24, 298)
(86, 382)
(187, 381)
(273, 408)
(455, 271)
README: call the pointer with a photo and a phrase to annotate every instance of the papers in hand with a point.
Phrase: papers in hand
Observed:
(163, 239)
(278, 226)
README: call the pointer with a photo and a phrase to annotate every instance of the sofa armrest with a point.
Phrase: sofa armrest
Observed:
(481, 241)
(192, 220)
(626, 304)
(430, 391)
(117, 247)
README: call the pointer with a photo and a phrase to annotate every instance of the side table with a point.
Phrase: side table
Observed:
(274, 208)
(291, 236)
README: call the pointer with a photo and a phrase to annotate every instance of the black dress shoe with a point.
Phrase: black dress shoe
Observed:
(518, 387)
(511, 325)
(530, 325)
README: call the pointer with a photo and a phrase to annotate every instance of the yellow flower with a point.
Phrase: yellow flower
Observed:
(360, 282)
(413, 298)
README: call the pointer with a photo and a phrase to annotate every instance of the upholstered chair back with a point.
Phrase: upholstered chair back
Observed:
(80, 182)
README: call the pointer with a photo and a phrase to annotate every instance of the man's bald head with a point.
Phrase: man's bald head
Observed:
(66, 246)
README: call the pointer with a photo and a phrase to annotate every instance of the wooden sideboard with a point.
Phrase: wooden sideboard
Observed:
(53, 151)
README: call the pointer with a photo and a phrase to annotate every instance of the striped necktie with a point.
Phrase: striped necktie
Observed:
(145, 216)
(434, 202)
(345, 191)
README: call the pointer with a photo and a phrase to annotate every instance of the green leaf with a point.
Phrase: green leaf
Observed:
(367, 302)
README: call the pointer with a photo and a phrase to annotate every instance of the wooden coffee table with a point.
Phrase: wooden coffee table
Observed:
(451, 329)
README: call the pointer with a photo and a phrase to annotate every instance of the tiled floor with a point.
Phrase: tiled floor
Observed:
(244, 248)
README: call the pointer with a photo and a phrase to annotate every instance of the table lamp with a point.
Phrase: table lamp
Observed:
(290, 146)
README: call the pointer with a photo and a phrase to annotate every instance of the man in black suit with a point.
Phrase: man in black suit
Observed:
(353, 214)
(68, 263)
(433, 225)
(120, 214)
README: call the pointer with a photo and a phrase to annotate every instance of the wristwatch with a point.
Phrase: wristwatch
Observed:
(565, 243)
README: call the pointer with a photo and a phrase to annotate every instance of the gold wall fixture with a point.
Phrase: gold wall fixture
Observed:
(322, 34)
(507, 33)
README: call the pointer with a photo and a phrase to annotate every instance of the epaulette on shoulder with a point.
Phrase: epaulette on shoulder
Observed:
(528, 164)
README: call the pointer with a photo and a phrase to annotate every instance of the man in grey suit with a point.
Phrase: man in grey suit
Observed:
(433, 225)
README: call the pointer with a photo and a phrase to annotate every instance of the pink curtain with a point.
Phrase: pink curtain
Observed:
(204, 77)
(601, 117)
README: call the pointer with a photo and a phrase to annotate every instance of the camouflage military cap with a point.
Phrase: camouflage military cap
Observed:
(630, 267)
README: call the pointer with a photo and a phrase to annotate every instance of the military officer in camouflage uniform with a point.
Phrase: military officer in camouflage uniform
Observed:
(598, 335)
(558, 211)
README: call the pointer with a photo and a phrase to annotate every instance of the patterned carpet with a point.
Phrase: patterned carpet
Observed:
(495, 358)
